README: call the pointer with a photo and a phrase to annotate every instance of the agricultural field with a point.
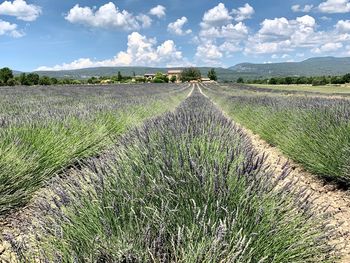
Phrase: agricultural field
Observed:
(312, 130)
(44, 130)
(173, 173)
(326, 89)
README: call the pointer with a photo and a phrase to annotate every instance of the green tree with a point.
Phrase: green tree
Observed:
(54, 81)
(346, 78)
(160, 78)
(23, 79)
(45, 80)
(288, 80)
(11, 82)
(93, 80)
(33, 79)
(240, 80)
(173, 79)
(5, 75)
(337, 80)
(319, 81)
(323, 81)
(212, 74)
(301, 80)
(189, 74)
(119, 77)
(273, 81)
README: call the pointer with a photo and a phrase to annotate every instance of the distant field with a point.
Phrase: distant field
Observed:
(328, 89)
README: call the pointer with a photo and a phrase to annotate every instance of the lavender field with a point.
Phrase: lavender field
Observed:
(159, 173)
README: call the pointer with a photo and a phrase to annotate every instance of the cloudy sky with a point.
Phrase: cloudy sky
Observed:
(71, 34)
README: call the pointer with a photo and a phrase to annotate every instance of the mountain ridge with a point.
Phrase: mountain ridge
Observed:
(316, 66)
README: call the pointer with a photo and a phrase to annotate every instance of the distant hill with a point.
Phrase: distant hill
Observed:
(310, 67)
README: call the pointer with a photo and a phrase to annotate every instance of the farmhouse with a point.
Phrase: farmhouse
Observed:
(176, 73)
(149, 76)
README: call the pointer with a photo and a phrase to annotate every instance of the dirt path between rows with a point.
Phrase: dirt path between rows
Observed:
(325, 195)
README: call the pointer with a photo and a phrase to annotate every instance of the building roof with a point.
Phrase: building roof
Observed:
(174, 71)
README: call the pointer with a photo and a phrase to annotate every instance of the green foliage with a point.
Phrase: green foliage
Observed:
(33, 79)
(119, 76)
(44, 80)
(93, 80)
(240, 80)
(346, 78)
(54, 81)
(173, 79)
(23, 79)
(160, 78)
(5, 75)
(288, 80)
(157, 80)
(315, 81)
(319, 81)
(273, 81)
(189, 74)
(12, 82)
(212, 75)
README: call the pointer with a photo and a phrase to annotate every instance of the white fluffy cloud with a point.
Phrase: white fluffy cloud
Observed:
(281, 35)
(7, 28)
(343, 26)
(305, 9)
(243, 13)
(219, 36)
(20, 9)
(208, 54)
(141, 51)
(177, 27)
(158, 11)
(107, 16)
(238, 32)
(277, 27)
(328, 47)
(217, 16)
(335, 6)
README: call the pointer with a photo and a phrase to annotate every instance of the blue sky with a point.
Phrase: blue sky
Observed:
(55, 35)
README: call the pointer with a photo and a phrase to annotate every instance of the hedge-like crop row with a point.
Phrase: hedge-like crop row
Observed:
(184, 187)
(314, 131)
(44, 130)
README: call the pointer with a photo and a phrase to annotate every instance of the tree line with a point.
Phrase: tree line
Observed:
(315, 81)
(7, 78)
